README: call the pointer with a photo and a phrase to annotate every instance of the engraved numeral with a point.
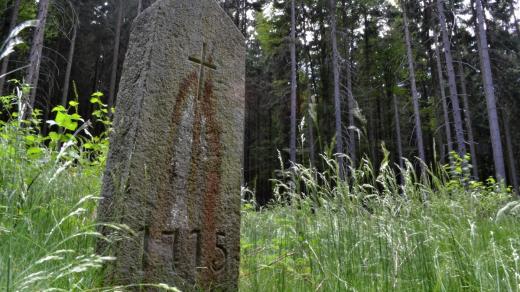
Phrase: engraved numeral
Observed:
(220, 258)
(195, 240)
(193, 246)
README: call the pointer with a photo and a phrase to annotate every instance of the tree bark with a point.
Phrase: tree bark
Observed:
(35, 58)
(337, 97)
(467, 120)
(312, 88)
(293, 83)
(371, 126)
(513, 175)
(351, 102)
(70, 58)
(489, 90)
(415, 94)
(445, 109)
(398, 141)
(5, 62)
(115, 60)
(457, 116)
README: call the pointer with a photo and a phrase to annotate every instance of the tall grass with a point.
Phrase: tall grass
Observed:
(372, 233)
(46, 217)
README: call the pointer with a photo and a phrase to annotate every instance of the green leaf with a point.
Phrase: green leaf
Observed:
(54, 136)
(75, 117)
(97, 94)
(97, 114)
(65, 121)
(95, 100)
(59, 108)
(73, 103)
(34, 152)
(30, 139)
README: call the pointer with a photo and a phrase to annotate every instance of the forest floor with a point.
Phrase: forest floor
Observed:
(371, 233)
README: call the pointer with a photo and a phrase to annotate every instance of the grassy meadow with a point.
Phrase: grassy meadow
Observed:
(374, 232)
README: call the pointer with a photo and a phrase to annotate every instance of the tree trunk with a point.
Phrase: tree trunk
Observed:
(489, 90)
(415, 94)
(293, 83)
(398, 141)
(115, 60)
(35, 58)
(312, 88)
(457, 116)
(513, 177)
(70, 58)
(237, 13)
(337, 97)
(467, 120)
(47, 110)
(351, 102)
(5, 62)
(139, 6)
(371, 128)
(445, 109)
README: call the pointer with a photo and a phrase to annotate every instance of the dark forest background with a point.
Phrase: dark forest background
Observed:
(349, 51)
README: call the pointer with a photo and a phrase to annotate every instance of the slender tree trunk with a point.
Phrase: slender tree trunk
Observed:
(489, 90)
(325, 127)
(237, 13)
(415, 94)
(457, 116)
(70, 58)
(312, 88)
(351, 102)
(337, 97)
(115, 60)
(15, 9)
(310, 126)
(513, 175)
(445, 109)
(293, 83)
(398, 141)
(47, 110)
(35, 58)
(371, 125)
(96, 75)
(467, 120)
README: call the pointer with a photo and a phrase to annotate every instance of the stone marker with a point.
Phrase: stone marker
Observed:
(174, 167)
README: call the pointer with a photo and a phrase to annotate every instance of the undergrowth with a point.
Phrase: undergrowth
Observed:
(378, 230)
(49, 186)
(374, 232)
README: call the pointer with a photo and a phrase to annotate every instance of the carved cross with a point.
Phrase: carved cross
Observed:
(203, 64)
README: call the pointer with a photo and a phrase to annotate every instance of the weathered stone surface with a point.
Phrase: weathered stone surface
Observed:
(174, 167)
